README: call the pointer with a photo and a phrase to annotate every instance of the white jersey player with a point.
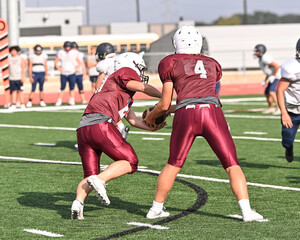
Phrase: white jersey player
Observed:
(272, 71)
(288, 94)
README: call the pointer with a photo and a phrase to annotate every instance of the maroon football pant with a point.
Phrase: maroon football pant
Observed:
(205, 120)
(103, 137)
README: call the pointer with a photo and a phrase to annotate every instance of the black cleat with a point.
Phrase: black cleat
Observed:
(289, 154)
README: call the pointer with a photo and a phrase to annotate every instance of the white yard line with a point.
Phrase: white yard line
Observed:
(142, 169)
(159, 227)
(153, 139)
(256, 133)
(137, 132)
(44, 233)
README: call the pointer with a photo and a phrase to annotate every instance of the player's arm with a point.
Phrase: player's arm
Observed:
(272, 77)
(90, 64)
(56, 63)
(100, 79)
(285, 117)
(144, 88)
(79, 64)
(162, 106)
(30, 71)
(138, 123)
(83, 69)
(46, 70)
(23, 70)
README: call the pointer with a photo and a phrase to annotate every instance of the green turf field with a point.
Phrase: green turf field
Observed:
(37, 195)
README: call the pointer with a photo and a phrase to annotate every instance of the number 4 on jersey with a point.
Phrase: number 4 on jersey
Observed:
(199, 69)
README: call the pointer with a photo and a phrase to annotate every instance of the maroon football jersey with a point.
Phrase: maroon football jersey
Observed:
(192, 75)
(112, 98)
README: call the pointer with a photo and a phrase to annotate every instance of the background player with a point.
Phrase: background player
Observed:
(38, 72)
(80, 73)
(67, 62)
(91, 64)
(198, 113)
(97, 133)
(272, 71)
(288, 95)
(17, 68)
(106, 55)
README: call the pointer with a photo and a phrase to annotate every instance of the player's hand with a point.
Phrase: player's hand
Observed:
(159, 126)
(263, 83)
(22, 79)
(271, 79)
(149, 120)
(31, 80)
(286, 120)
(46, 78)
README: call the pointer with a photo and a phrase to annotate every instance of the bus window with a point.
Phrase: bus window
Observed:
(83, 49)
(133, 47)
(116, 48)
(123, 48)
(143, 47)
(57, 48)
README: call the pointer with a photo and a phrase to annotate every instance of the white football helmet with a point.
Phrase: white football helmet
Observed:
(187, 39)
(134, 61)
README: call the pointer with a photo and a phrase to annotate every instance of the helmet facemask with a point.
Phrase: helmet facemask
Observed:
(142, 69)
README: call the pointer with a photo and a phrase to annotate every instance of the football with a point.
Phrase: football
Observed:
(158, 120)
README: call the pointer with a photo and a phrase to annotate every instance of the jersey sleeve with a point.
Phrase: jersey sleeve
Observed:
(126, 75)
(165, 70)
(45, 56)
(60, 54)
(218, 71)
(267, 59)
(288, 70)
(101, 67)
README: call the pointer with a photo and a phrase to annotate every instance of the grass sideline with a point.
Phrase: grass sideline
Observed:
(39, 196)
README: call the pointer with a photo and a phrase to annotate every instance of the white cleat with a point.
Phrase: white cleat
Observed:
(29, 104)
(77, 210)
(152, 214)
(71, 102)
(43, 104)
(59, 102)
(99, 186)
(277, 112)
(268, 110)
(250, 216)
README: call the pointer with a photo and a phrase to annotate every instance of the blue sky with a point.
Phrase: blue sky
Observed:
(162, 11)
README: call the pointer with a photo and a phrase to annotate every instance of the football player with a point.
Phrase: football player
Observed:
(91, 64)
(197, 113)
(272, 71)
(98, 134)
(38, 71)
(288, 95)
(106, 56)
(67, 62)
(80, 73)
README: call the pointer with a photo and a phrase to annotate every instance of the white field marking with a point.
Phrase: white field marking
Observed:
(225, 181)
(45, 144)
(37, 127)
(255, 99)
(159, 227)
(139, 133)
(246, 103)
(153, 139)
(142, 169)
(44, 233)
(44, 109)
(256, 133)
(249, 116)
(240, 217)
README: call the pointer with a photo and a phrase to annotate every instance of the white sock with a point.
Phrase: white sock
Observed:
(244, 205)
(121, 126)
(157, 206)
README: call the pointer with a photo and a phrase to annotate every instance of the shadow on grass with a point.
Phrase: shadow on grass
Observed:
(293, 179)
(57, 202)
(217, 163)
